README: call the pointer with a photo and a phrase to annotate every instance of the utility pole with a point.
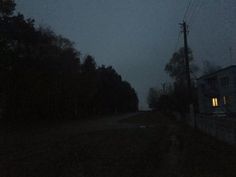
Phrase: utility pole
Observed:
(187, 70)
(188, 78)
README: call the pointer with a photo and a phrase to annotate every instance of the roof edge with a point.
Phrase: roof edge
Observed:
(207, 75)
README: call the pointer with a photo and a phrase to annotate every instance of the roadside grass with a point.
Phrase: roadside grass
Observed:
(206, 156)
(201, 155)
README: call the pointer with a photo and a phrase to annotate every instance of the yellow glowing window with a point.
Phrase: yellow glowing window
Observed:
(214, 102)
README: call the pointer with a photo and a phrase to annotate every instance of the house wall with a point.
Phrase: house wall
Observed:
(233, 77)
(228, 90)
(223, 128)
(202, 100)
(205, 95)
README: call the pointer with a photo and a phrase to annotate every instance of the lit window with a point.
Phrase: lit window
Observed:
(215, 102)
(226, 100)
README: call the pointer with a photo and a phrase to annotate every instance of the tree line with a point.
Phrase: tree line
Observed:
(174, 96)
(43, 76)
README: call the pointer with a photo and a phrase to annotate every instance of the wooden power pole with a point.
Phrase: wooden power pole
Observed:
(188, 78)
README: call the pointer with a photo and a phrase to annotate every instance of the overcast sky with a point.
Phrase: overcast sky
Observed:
(138, 37)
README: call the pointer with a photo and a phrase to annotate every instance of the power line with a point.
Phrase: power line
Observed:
(177, 42)
(195, 12)
(188, 7)
(190, 2)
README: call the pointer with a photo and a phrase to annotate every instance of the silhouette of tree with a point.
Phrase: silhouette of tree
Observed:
(7, 7)
(176, 70)
(161, 99)
(176, 98)
(44, 78)
(40, 69)
(176, 66)
(152, 98)
(114, 95)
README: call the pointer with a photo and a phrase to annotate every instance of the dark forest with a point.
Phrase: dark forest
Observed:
(43, 76)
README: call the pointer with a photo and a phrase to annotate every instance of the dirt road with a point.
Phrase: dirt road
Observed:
(140, 145)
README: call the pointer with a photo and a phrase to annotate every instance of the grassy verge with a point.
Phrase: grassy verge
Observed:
(205, 156)
(200, 155)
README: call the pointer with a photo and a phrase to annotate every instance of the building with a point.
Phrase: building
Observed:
(217, 92)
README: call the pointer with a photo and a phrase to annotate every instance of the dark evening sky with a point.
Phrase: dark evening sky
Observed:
(138, 37)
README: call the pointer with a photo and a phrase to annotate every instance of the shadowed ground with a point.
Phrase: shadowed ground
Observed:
(145, 144)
